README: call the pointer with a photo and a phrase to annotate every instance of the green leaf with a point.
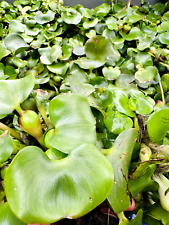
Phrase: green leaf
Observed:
(111, 73)
(58, 68)
(44, 18)
(132, 35)
(4, 51)
(50, 54)
(137, 219)
(111, 23)
(116, 122)
(15, 26)
(12, 92)
(101, 48)
(102, 10)
(143, 183)
(90, 23)
(164, 38)
(73, 121)
(86, 63)
(158, 213)
(79, 87)
(144, 59)
(144, 42)
(7, 217)
(71, 16)
(51, 190)
(147, 74)
(66, 51)
(145, 105)
(158, 125)
(165, 80)
(120, 99)
(6, 146)
(15, 43)
(120, 156)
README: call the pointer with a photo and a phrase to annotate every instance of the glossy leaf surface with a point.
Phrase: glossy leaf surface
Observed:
(100, 48)
(50, 190)
(44, 18)
(6, 147)
(73, 121)
(158, 125)
(7, 217)
(15, 43)
(12, 93)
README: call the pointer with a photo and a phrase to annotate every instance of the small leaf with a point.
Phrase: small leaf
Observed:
(15, 43)
(6, 147)
(4, 51)
(111, 23)
(144, 43)
(71, 16)
(86, 63)
(51, 190)
(58, 68)
(144, 59)
(120, 99)
(102, 10)
(111, 73)
(44, 18)
(147, 74)
(143, 183)
(144, 106)
(164, 38)
(116, 123)
(158, 125)
(50, 54)
(158, 213)
(12, 92)
(15, 26)
(73, 121)
(132, 35)
(90, 23)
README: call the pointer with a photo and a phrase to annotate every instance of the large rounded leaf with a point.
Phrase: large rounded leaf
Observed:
(12, 92)
(158, 125)
(101, 48)
(73, 121)
(41, 190)
(7, 217)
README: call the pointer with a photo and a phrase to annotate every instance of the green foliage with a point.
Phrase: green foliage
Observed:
(68, 187)
(78, 86)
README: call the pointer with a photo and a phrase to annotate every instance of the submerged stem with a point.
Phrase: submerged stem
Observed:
(162, 92)
(11, 131)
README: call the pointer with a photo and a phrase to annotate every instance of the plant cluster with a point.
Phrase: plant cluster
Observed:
(84, 111)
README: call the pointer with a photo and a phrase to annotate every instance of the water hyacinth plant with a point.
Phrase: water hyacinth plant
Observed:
(84, 105)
